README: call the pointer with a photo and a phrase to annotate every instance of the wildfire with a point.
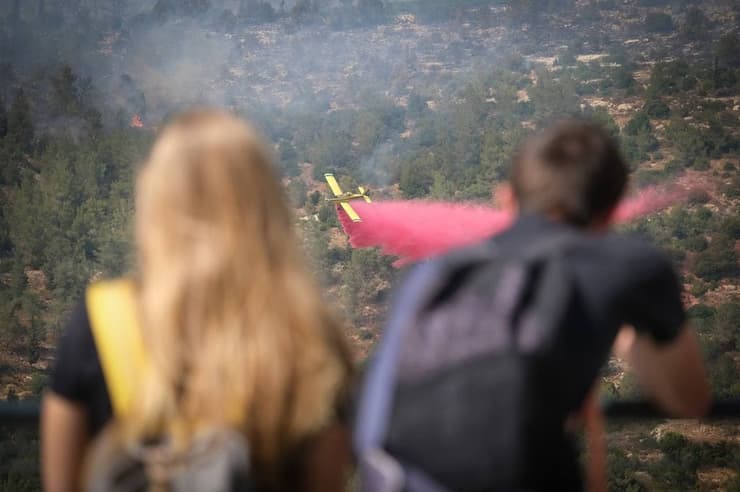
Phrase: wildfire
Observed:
(136, 121)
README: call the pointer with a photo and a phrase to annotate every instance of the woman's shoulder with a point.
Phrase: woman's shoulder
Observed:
(75, 352)
(77, 375)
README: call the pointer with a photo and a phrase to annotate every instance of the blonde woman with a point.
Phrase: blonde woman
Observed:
(233, 327)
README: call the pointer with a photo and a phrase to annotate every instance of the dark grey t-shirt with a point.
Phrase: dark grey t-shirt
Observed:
(618, 280)
(622, 279)
(78, 376)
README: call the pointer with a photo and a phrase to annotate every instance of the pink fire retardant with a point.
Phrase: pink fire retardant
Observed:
(416, 229)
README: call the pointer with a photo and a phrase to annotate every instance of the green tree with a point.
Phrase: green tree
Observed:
(417, 175)
(659, 22)
(288, 158)
(20, 123)
(696, 27)
(332, 151)
(726, 320)
(3, 119)
(691, 146)
(727, 52)
(498, 146)
(621, 469)
(369, 131)
(723, 376)
(366, 271)
(601, 117)
(670, 78)
(623, 77)
(655, 107)
(554, 98)
(66, 92)
(416, 105)
(719, 260)
(297, 191)
(441, 188)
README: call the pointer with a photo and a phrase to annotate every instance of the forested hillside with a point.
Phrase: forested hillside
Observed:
(413, 99)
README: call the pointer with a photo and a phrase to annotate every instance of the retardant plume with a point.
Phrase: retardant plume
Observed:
(653, 199)
(414, 230)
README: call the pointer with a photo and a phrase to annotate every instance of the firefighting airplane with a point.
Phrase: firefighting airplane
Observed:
(344, 198)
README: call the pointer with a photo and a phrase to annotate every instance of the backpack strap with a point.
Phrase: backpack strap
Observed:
(113, 319)
(377, 392)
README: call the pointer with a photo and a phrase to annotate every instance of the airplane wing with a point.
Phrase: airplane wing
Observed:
(333, 184)
(350, 212)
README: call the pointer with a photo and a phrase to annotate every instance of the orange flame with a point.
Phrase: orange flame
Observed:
(136, 121)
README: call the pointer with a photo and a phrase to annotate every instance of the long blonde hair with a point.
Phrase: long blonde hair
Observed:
(235, 327)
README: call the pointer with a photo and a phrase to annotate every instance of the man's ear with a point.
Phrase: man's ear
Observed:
(503, 198)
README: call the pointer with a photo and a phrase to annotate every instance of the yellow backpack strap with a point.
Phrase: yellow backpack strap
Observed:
(111, 308)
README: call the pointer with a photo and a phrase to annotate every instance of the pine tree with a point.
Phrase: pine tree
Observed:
(20, 124)
(3, 119)
(66, 93)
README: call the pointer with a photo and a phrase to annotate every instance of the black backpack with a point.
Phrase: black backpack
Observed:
(465, 390)
(216, 460)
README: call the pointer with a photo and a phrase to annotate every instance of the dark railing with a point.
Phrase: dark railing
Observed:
(28, 411)
(641, 409)
(19, 412)
(19, 439)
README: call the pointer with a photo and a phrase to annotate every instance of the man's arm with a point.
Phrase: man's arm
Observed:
(670, 374)
(595, 430)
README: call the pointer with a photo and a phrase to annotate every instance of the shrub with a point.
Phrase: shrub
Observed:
(700, 311)
(699, 197)
(698, 289)
(718, 260)
(39, 382)
(656, 108)
(695, 243)
(638, 124)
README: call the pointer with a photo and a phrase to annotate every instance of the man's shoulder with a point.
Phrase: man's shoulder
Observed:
(611, 246)
(636, 251)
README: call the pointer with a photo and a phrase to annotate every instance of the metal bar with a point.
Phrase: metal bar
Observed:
(28, 411)
(641, 409)
(20, 412)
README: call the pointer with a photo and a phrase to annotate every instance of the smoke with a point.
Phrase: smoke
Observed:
(415, 230)
(159, 70)
(162, 58)
(376, 167)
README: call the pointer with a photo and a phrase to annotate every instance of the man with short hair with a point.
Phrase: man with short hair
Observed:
(565, 186)
(574, 176)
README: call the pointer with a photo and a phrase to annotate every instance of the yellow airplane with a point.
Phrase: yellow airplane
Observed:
(344, 198)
